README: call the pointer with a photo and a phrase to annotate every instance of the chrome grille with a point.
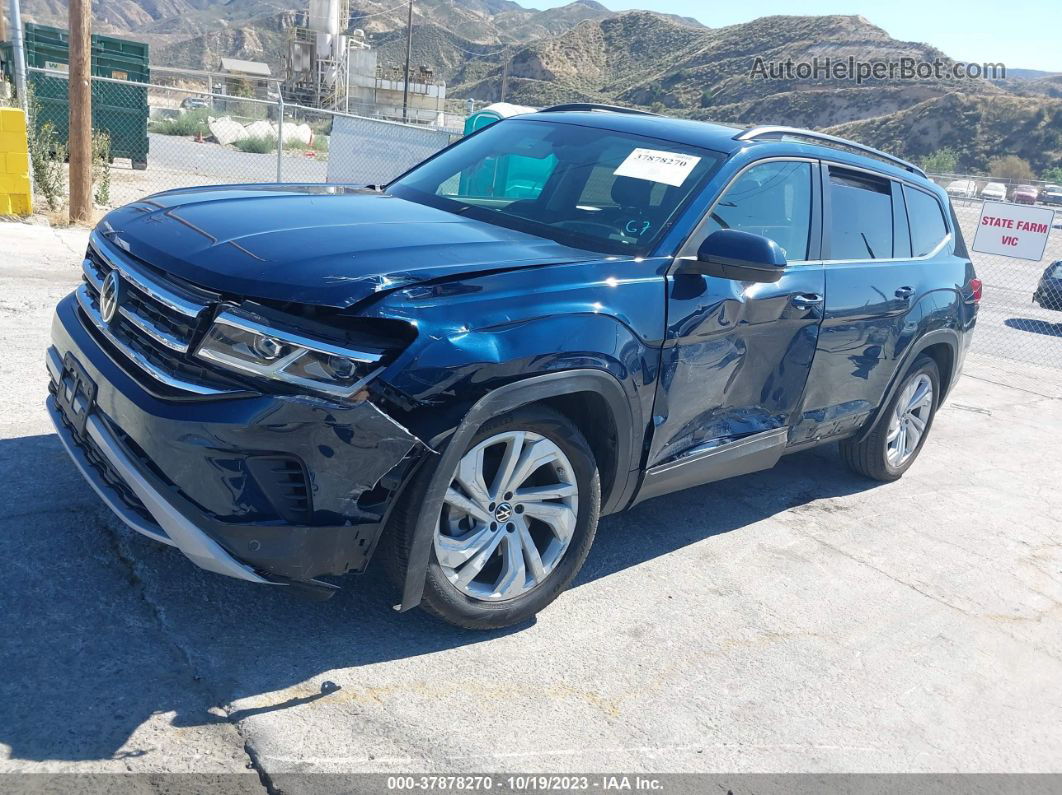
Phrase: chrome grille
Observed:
(156, 324)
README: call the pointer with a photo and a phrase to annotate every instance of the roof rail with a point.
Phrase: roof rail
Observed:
(768, 131)
(577, 106)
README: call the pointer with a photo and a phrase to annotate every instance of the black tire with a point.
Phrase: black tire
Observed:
(869, 457)
(441, 598)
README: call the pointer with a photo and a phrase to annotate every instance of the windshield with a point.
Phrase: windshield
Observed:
(581, 186)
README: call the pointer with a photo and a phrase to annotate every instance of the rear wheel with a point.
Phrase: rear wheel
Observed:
(891, 447)
(516, 523)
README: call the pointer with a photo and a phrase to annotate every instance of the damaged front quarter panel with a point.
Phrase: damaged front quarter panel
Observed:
(357, 458)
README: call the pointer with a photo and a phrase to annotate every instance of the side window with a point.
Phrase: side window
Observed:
(926, 219)
(771, 199)
(860, 216)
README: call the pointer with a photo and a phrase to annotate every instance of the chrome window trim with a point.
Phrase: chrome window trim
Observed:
(872, 172)
(939, 247)
(685, 253)
(228, 318)
(84, 300)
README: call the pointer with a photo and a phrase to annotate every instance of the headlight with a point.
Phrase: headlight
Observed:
(240, 343)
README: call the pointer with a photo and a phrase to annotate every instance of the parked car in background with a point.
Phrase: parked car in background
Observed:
(1049, 291)
(1025, 194)
(459, 375)
(194, 103)
(962, 189)
(996, 191)
(1051, 194)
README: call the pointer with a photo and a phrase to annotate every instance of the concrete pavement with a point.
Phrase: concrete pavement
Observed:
(801, 619)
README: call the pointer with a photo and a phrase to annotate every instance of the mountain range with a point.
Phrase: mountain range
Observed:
(585, 52)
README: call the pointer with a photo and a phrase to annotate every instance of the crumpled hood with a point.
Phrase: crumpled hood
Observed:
(316, 244)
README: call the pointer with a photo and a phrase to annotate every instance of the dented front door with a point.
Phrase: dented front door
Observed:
(737, 354)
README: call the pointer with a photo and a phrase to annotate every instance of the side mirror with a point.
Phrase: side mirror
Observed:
(742, 256)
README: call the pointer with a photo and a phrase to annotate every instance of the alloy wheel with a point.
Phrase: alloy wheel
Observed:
(508, 516)
(909, 420)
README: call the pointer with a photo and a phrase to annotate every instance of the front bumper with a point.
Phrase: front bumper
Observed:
(190, 473)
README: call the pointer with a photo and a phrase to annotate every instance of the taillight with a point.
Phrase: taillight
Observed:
(975, 290)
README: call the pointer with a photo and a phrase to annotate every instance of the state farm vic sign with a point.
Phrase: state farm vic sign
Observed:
(1013, 230)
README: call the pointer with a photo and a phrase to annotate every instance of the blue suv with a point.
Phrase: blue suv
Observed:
(558, 317)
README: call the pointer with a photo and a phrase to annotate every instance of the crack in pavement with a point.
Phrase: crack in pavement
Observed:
(925, 593)
(132, 565)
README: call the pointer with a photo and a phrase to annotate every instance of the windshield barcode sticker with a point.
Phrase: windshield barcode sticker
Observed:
(670, 168)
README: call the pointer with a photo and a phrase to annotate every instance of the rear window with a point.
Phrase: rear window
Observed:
(926, 219)
(861, 216)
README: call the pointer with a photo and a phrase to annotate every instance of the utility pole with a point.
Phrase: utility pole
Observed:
(3, 25)
(409, 52)
(19, 52)
(80, 99)
(505, 79)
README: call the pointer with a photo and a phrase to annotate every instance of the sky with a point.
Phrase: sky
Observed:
(1022, 34)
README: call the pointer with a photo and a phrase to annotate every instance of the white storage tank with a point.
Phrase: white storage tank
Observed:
(324, 16)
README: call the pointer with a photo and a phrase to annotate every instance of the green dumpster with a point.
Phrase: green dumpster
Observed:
(121, 108)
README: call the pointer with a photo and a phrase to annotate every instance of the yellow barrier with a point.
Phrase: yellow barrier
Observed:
(15, 196)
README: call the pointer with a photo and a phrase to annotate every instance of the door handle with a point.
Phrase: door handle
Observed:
(806, 300)
(904, 293)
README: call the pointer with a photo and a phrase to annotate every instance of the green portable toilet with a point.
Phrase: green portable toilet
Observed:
(492, 113)
(509, 177)
(121, 109)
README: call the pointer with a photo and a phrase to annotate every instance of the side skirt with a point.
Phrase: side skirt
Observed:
(705, 465)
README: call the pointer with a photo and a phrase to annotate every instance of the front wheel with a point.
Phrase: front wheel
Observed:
(516, 522)
(900, 432)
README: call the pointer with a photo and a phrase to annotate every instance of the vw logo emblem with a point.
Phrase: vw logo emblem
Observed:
(110, 296)
(504, 512)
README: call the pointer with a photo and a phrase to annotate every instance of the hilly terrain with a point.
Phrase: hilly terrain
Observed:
(585, 52)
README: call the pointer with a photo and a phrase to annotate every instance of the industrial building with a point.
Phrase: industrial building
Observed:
(332, 66)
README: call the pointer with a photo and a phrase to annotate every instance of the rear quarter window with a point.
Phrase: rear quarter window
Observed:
(861, 216)
(926, 218)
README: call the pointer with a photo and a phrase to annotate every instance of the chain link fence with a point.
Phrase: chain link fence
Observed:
(171, 136)
(1021, 308)
(165, 137)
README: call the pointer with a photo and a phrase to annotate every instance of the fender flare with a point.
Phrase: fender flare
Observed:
(506, 398)
(948, 336)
